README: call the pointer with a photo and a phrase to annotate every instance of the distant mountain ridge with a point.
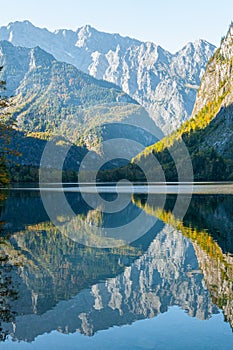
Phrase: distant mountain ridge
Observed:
(165, 84)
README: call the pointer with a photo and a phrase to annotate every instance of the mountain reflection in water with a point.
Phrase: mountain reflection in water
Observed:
(50, 282)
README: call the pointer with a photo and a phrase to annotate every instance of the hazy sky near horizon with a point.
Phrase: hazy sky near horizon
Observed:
(169, 23)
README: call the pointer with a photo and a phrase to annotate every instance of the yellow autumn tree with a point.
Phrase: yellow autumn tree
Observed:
(6, 129)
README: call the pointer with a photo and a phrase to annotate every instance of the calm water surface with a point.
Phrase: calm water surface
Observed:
(169, 288)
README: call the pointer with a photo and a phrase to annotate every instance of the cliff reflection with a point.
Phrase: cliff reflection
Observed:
(209, 225)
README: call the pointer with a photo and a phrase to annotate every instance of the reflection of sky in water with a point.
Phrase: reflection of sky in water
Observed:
(173, 330)
(202, 188)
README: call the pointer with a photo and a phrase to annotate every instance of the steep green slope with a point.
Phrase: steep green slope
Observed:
(48, 92)
(52, 97)
(208, 134)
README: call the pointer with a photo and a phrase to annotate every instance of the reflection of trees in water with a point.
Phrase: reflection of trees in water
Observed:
(3, 198)
(216, 266)
(7, 294)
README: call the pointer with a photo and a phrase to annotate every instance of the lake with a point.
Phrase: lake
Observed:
(142, 267)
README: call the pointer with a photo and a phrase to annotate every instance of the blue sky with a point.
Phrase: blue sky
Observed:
(169, 23)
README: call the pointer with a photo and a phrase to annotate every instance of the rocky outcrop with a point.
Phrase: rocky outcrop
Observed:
(217, 79)
(217, 85)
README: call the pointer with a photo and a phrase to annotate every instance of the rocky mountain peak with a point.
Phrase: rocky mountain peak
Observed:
(94, 40)
(20, 24)
(217, 79)
(226, 48)
(40, 57)
(83, 34)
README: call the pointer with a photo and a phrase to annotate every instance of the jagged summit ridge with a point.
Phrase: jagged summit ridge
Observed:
(226, 48)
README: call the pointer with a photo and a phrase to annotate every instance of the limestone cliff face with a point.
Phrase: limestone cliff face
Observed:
(217, 90)
(218, 77)
(163, 83)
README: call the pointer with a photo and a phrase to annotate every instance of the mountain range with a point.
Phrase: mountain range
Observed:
(164, 83)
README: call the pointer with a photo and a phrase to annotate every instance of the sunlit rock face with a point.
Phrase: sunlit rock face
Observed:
(217, 85)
